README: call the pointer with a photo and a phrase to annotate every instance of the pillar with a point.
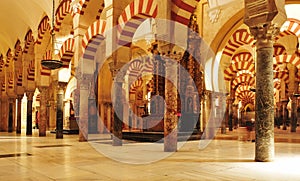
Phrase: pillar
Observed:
(29, 112)
(170, 117)
(19, 112)
(264, 115)
(43, 111)
(59, 110)
(264, 19)
(11, 114)
(84, 86)
(285, 114)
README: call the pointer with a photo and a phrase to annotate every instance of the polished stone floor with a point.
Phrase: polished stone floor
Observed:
(35, 158)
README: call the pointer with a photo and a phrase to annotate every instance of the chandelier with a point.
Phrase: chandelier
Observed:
(52, 64)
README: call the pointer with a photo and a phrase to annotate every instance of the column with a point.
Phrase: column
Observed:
(230, 113)
(11, 114)
(285, 114)
(264, 25)
(19, 112)
(170, 117)
(84, 86)
(264, 98)
(29, 112)
(43, 111)
(59, 110)
(118, 72)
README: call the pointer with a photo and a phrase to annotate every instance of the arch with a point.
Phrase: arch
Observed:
(277, 84)
(135, 85)
(132, 16)
(246, 78)
(72, 85)
(1, 63)
(244, 56)
(284, 76)
(93, 38)
(135, 67)
(243, 88)
(67, 51)
(62, 11)
(293, 59)
(30, 71)
(290, 27)
(279, 50)
(18, 50)
(239, 38)
(8, 57)
(29, 40)
(19, 74)
(234, 68)
(44, 26)
(182, 10)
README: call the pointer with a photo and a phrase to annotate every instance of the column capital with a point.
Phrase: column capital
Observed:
(118, 70)
(29, 95)
(265, 34)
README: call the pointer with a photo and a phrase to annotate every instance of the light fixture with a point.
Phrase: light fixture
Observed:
(52, 63)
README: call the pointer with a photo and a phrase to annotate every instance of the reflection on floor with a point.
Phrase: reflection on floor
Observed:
(46, 158)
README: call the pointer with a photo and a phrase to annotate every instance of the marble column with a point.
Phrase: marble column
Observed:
(118, 115)
(19, 112)
(264, 98)
(285, 114)
(59, 110)
(11, 115)
(29, 112)
(84, 82)
(170, 117)
(43, 111)
(294, 114)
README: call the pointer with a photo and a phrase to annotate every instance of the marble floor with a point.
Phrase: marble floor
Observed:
(46, 158)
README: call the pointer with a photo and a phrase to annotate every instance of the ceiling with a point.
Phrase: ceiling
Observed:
(18, 16)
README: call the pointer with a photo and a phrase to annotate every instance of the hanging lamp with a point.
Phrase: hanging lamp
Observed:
(52, 64)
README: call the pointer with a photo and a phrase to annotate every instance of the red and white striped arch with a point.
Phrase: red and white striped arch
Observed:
(10, 80)
(246, 97)
(19, 77)
(30, 71)
(93, 38)
(244, 56)
(239, 38)
(67, 51)
(18, 50)
(182, 10)
(293, 59)
(283, 76)
(82, 4)
(3, 86)
(232, 70)
(29, 41)
(9, 57)
(279, 50)
(42, 29)
(277, 84)
(246, 78)
(135, 85)
(131, 18)
(242, 88)
(290, 27)
(1, 63)
(135, 68)
(62, 11)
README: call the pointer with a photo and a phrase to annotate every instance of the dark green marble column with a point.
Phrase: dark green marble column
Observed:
(19, 111)
(264, 99)
(29, 113)
(59, 110)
